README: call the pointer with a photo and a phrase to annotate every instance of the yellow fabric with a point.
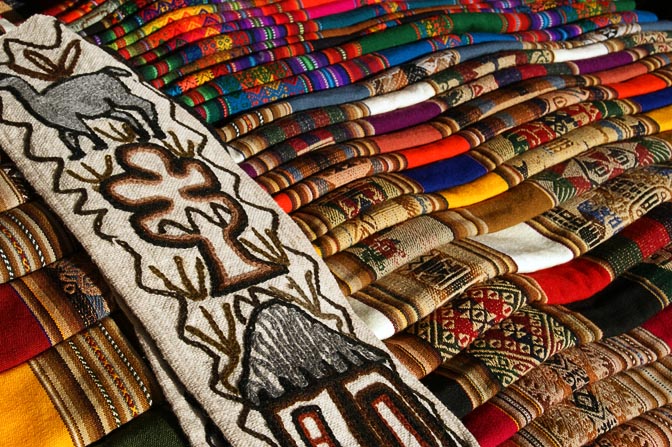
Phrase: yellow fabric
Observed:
(473, 192)
(27, 415)
(663, 117)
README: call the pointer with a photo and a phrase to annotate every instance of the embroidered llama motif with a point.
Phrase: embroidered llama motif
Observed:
(69, 102)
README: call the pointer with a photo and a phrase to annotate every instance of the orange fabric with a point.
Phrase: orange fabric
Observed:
(638, 86)
(439, 150)
(28, 415)
(407, 138)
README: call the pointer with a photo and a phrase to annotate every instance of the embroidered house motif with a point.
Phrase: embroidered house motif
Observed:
(310, 381)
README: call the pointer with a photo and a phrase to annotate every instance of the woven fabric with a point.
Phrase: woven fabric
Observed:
(423, 283)
(211, 269)
(249, 121)
(380, 254)
(428, 164)
(566, 373)
(579, 126)
(532, 197)
(31, 237)
(506, 353)
(468, 62)
(653, 428)
(156, 427)
(450, 329)
(80, 390)
(628, 302)
(596, 408)
(218, 108)
(492, 98)
(48, 306)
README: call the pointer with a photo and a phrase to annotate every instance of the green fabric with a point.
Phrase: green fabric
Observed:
(155, 428)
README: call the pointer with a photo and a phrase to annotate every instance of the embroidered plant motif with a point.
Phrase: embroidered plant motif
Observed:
(179, 203)
(95, 176)
(48, 69)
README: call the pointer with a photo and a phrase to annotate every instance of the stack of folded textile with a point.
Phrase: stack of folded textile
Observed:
(300, 212)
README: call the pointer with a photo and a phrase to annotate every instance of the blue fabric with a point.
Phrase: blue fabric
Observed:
(447, 173)
(655, 100)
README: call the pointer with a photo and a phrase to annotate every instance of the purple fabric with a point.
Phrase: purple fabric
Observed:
(401, 118)
(606, 62)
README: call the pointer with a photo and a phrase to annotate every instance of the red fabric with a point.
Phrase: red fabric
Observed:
(583, 277)
(573, 281)
(638, 86)
(490, 425)
(661, 325)
(21, 336)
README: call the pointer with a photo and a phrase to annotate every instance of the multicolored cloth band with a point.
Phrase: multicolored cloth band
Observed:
(487, 185)
(448, 330)
(319, 217)
(246, 122)
(504, 355)
(48, 306)
(400, 297)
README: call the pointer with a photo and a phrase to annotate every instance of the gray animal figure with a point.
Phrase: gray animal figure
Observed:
(65, 105)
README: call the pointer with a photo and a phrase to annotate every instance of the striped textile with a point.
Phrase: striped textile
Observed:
(466, 381)
(448, 330)
(80, 390)
(578, 124)
(533, 196)
(403, 296)
(653, 428)
(48, 306)
(31, 237)
(596, 408)
(246, 122)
